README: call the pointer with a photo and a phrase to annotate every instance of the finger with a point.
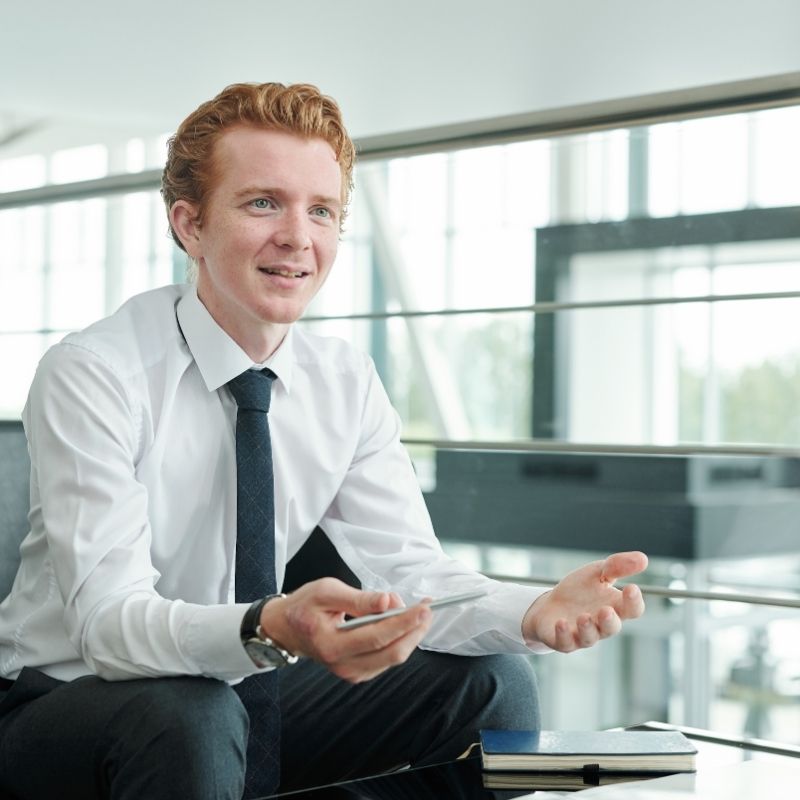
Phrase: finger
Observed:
(621, 565)
(372, 603)
(378, 635)
(564, 637)
(608, 622)
(363, 666)
(587, 632)
(314, 610)
(393, 606)
(340, 647)
(369, 665)
(632, 602)
(333, 594)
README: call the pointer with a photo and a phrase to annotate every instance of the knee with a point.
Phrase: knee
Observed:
(517, 693)
(197, 723)
(501, 690)
(198, 717)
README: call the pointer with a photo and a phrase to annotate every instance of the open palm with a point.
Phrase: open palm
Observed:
(585, 606)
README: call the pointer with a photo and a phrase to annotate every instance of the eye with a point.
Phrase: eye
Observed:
(322, 212)
(261, 203)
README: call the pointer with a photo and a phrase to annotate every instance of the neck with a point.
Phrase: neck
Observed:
(257, 338)
(260, 345)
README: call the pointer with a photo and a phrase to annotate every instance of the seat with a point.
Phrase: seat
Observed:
(14, 499)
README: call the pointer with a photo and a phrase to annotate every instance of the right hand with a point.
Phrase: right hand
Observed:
(305, 623)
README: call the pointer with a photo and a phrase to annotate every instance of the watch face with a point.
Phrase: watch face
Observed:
(263, 654)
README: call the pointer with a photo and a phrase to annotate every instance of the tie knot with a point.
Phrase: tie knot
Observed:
(252, 389)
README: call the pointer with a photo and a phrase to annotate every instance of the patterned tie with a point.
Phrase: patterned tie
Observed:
(255, 568)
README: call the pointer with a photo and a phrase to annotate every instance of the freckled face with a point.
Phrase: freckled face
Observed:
(270, 232)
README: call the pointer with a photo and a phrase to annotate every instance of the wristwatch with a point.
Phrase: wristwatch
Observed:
(262, 650)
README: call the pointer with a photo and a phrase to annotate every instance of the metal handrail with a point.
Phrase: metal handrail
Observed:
(532, 308)
(663, 591)
(556, 446)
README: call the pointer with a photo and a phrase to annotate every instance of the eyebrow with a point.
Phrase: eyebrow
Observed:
(258, 191)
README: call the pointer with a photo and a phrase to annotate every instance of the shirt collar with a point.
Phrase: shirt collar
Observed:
(217, 356)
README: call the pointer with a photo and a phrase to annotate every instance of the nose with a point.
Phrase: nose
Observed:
(293, 231)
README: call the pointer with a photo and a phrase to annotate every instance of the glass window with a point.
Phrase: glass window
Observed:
(591, 340)
(466, 230)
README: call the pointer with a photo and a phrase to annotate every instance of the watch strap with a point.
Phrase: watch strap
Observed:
(251, 621)
(254, 638)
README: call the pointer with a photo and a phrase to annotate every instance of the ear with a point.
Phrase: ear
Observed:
(183, 217)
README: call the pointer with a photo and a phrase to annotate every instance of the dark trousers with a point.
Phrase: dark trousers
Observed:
(185, 738)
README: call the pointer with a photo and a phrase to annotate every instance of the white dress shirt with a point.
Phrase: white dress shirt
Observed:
(128, 569)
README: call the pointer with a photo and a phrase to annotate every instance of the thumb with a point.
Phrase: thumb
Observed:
(374, 603)
(621, 565)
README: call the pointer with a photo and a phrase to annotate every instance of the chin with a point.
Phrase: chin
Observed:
(281, 316)
(278, 310)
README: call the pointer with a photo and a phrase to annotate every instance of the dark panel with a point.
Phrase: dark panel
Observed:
(677, 506)
(317, 558)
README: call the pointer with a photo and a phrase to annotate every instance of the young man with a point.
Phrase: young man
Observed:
(132, 614)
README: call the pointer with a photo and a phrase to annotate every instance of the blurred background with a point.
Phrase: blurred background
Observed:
(573, 253)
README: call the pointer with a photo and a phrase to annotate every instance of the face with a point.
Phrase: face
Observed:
(269, 233)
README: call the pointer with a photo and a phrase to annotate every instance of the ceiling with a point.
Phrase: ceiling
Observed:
(144, 65)
(95, 68)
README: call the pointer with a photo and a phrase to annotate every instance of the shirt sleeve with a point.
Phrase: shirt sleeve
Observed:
(83, 433)
(381, 528)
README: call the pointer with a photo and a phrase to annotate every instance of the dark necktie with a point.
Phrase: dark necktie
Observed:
(255, 567)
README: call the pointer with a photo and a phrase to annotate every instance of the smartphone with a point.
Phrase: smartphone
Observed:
(452, 600)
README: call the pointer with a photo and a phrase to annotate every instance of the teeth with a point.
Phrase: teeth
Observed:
(285, 273)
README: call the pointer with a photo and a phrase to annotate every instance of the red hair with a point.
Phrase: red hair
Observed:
(299, 108)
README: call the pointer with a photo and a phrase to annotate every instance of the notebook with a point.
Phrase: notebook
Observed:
(587, 751)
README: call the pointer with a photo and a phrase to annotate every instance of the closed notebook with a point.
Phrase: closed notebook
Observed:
(560, 781)
(563, 751)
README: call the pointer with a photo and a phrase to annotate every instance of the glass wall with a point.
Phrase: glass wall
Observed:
(591, 339)
(65, 264)
(668, 286)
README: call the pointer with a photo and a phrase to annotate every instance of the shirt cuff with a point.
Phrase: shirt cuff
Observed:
(212, 640)
(504, 610)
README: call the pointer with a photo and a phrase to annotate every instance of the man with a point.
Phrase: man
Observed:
(133, 610)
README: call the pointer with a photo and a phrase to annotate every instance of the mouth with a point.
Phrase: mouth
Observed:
(282, 272)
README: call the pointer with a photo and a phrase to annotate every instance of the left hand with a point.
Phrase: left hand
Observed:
(306, 621)
(584, 606)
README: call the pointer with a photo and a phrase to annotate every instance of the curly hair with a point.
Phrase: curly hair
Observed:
(298, 108)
